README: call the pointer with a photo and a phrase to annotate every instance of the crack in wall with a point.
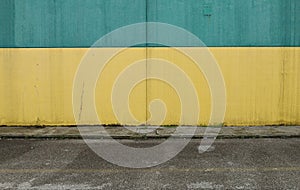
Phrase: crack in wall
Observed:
(81, 102)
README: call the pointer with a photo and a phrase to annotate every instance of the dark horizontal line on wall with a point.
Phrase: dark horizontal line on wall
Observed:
(245, 46)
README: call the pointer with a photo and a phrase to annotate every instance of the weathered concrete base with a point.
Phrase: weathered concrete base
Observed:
(145, 132)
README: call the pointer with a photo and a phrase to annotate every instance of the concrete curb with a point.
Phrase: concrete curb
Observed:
(160, 132)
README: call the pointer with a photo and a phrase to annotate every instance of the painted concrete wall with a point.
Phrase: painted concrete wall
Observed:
(255, 42)
(77, 23)
(262, 86)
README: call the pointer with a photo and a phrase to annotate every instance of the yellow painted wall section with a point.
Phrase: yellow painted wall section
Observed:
(262, 85)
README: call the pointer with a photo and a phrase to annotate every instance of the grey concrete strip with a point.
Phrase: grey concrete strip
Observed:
(146, 132)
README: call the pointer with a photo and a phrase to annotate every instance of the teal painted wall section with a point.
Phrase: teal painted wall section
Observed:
(233, 22)
(69, 23)
(7, 23)
(79, 23)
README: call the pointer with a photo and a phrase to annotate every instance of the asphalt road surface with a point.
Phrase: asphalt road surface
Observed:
(229, 164)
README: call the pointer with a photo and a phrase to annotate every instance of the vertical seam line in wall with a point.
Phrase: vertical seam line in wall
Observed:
(146, 95)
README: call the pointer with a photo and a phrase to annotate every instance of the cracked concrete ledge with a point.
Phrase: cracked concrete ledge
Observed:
(146, 132)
